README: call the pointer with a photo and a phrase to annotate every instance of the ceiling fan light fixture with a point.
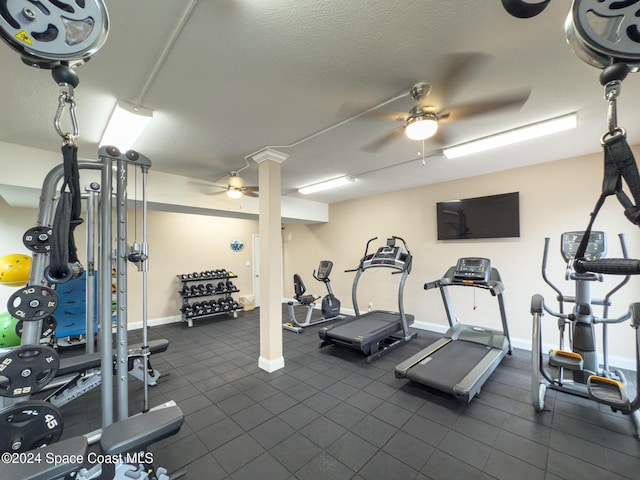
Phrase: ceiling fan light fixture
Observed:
(421, 127)
(234, 193)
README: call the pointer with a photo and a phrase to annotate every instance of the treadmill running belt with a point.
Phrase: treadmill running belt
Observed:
(448, 365)
(376, 323)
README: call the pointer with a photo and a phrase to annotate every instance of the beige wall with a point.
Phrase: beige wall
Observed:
(554, 197)
(178, 243)
(182, 243)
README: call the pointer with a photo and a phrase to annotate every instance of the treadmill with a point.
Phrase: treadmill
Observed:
(377, 332)
(461, 361)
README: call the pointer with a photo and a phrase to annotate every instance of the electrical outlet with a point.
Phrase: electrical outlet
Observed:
(370, 306)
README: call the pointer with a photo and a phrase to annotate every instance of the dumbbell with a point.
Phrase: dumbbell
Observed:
(229, 285)
(217, 308)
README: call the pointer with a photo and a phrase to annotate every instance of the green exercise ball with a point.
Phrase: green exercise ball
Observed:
(8, 335)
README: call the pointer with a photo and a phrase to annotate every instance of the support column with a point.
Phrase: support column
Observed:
(269, 168)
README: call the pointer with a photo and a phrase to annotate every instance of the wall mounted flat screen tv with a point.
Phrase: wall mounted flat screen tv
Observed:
(493, 216)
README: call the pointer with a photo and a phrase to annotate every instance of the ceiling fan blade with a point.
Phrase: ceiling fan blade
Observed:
(251, 193)
(221, 192)
(469, 110)
(457, 69)
(379, 143)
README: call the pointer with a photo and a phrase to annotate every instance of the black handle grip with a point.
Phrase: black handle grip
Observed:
(611, 266)
(430, 285)
(537, 304)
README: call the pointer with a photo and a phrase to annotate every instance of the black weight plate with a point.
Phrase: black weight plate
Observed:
(27, 369)
(32, 303)
(49, 325)
(29, 425)
(38, 239)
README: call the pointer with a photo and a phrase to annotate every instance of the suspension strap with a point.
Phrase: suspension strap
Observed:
(619, 162)
(64, 257)
(67, 217)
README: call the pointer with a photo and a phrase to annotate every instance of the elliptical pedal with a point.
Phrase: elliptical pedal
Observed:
(608, 391)
(566, 359)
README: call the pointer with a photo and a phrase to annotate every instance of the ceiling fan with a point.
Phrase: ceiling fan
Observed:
(424, 120)
(236, 189)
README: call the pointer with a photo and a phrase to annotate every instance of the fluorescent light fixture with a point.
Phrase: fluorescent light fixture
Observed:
(422, 127)
(126, 124)
(535, 130)
(319, 187)
(234, 193)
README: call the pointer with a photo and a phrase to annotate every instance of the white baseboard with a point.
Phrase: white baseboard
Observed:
(271, 365)
(614, 361)
(154, 322)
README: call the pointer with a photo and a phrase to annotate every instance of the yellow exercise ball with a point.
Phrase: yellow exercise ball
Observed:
(15, 269)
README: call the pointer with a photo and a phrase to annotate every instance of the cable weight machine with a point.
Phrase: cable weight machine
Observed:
(59, 35)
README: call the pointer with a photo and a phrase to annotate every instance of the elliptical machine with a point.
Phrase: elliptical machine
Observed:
(577, 370)
(330, 306)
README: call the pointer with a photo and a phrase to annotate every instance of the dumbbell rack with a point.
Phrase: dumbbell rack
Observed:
(211, 283)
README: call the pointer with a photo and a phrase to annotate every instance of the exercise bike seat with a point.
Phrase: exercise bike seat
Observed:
(138, 432)
(73, 449)
(299, 288)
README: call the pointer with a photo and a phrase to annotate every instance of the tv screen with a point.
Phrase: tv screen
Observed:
(494, 216)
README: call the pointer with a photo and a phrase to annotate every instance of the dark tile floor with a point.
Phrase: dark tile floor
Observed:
(330, 415)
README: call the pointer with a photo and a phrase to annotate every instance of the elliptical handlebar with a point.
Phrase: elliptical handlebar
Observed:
(608, 266)
(545, 256)
(625, 254)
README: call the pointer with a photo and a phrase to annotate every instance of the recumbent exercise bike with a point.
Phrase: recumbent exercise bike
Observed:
(330, 306)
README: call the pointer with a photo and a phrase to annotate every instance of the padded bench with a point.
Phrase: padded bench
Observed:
(82, 363)
(132, 434)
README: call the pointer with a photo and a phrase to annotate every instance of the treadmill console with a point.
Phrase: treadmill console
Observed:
(472, 270)
(390, 255)
(596, 248)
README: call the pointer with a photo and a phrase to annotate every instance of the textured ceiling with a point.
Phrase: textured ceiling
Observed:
(242, 75)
